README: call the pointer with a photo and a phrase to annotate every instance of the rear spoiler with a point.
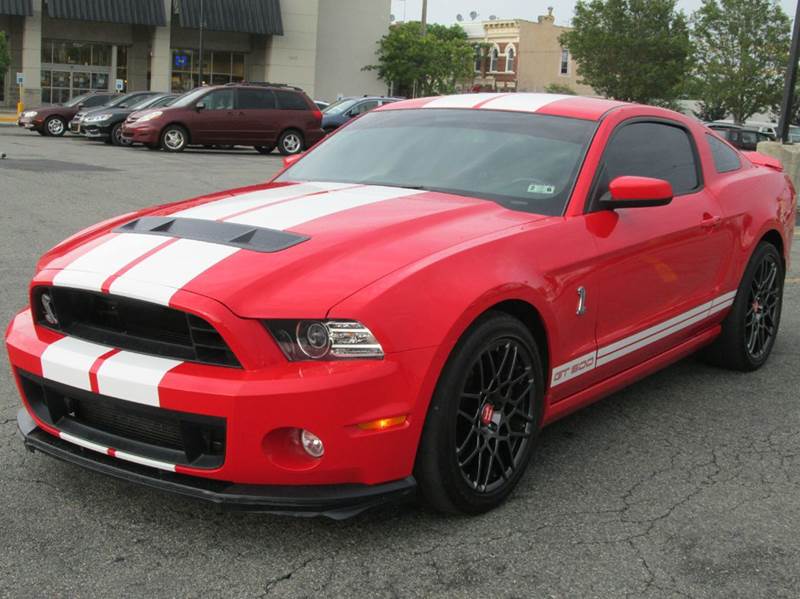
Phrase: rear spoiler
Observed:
(763, 160)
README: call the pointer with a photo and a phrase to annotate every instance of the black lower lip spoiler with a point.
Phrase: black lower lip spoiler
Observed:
(337, 502)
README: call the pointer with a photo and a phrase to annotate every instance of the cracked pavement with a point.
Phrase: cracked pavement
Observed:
(683, 485)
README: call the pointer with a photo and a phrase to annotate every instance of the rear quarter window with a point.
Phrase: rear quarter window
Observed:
(725, 158)
(288, 100)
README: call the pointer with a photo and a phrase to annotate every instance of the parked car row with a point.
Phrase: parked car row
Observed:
(265, 116)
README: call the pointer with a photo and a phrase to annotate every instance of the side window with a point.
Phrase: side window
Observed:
(653, 150)
(256, 99)
(725, 158)
(221, 99)
(290, 100)
(365, 107)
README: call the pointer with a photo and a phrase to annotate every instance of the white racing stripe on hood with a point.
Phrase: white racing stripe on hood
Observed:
(158, 277)
(247, 201)
(295, 212)
(90, 270)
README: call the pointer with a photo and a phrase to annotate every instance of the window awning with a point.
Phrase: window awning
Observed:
(243, 16)
(133, 12)
(21, 8)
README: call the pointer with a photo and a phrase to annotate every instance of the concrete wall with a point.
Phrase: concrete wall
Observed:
(291, 57)
(789, 155)
(347, 38)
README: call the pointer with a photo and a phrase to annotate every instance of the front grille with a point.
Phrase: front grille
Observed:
(165, 435)
(134, 325)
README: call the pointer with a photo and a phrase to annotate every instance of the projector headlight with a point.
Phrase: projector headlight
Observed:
(95, 118)
(150, 116)
(324, 340)
(29, 113)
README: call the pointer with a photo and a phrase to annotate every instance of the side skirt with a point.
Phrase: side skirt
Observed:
(621, 380)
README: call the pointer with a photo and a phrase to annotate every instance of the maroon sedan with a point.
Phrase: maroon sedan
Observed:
(52, 120)
(264, 116)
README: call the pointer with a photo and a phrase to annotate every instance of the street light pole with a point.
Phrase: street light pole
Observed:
(425, 16)
(791, 80)
(202, 26)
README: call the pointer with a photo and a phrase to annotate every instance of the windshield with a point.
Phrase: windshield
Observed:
(191, 97)
(142, 102)
(339, 106)
(76, 100)
(523, 161)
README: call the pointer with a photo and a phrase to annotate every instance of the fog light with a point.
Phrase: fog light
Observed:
(312, 444)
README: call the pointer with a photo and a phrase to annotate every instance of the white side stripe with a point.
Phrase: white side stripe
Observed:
(623, 347)
(158, 277)
(129, 457)
(133, 377)
(68, 361)
(90, 270)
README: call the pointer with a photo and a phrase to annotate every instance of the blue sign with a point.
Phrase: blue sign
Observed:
(181, 61)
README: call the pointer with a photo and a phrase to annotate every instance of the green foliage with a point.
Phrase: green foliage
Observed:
(633, 50)
(741, 55)
(711, 110)
(5, 57)
(430, 64)
(559, 88)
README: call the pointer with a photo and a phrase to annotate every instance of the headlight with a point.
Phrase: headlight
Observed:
(29, 113)
(324, 340)
(97, 117)
(150, 116)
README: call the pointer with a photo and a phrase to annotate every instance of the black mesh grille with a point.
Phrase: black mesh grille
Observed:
(134, 325)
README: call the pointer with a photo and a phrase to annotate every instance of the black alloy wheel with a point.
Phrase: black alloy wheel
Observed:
(763, 301)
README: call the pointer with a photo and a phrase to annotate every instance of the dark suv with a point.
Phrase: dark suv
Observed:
(262, 115)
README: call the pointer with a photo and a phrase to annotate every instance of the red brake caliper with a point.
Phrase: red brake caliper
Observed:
(486, 414)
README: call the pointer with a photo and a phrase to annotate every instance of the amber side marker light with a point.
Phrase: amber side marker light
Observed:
(382, 423)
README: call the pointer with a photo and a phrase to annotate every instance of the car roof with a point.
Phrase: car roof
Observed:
(550, 104)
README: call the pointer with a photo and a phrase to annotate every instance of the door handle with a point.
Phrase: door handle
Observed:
(711, 221)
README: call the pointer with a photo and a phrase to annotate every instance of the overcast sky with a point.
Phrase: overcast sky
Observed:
(445, 11)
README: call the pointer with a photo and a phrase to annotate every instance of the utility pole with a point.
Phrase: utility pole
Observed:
(425, 16)
(202, 26)
(791, 80)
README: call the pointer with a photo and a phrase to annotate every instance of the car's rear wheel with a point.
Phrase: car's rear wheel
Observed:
(55, 126)
(264, 149)
(116, 136)
(290, 142)
(483, 418)
(749, 330)
(174, 138)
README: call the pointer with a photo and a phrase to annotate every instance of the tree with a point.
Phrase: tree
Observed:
(633, 50)
(559, 88)
(741, 55)
(5, 58)
(710, 110)
(428, 64)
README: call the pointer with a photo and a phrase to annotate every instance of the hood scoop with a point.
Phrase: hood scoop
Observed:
(257, 239)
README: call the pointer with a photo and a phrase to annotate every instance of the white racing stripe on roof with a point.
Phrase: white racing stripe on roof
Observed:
(523, 102)
(90, 270)
(68, 361)
(133, 377)
(461, 101)
(295, 212)
(158, 277)
(247, 201)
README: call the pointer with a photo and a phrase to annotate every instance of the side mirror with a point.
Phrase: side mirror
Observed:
(200, 106)
(290, 160)
(637, 192)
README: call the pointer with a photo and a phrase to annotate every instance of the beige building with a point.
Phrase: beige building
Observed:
(67, 47)
(521, 55)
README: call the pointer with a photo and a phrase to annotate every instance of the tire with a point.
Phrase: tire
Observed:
(174, 138)
(41, 132)
(55, 126)
(750, 329)
(264, 149)
(116, 136)
(453, 476)
(291, 142)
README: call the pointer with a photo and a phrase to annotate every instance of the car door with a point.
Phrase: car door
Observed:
(258, 117)
(658, 269)
(214, 118)
(362, 108)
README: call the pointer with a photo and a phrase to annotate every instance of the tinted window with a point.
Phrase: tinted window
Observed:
(95, 101)
(256, 99)
(365, 107)
(525, 162)
(290, 100)
(749, 137)
(725, 158)
(652, 150)
(222, 99)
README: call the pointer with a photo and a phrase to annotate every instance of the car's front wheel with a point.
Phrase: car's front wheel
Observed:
(116, 136)
(749, 330)
(290, 142)
(55, 126)
(485, 413)
(174, 138)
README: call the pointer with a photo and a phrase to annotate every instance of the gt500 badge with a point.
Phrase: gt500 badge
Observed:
(542, 189)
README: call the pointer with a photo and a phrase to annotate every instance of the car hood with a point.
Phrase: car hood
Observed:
(276, 250)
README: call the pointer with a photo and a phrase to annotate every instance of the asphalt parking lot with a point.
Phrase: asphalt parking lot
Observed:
(684, 485)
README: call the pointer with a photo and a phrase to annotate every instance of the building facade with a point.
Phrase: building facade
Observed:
(521, 55)
(67, 47)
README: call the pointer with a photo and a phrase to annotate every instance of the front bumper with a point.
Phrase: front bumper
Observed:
(333, 501)
(75, 126)
(140, 134)
(96, 130)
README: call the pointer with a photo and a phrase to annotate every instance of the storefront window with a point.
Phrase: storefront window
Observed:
(72, 68)
(219, 68)
(122, 65)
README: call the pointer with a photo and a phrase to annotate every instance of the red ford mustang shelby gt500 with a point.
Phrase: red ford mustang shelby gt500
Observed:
(404, 307)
